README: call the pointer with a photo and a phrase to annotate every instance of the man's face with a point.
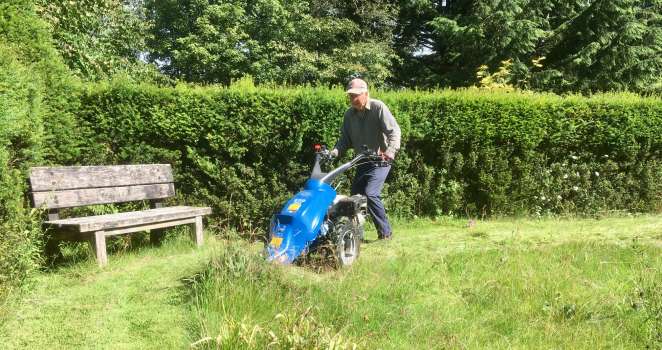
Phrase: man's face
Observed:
(358, 101)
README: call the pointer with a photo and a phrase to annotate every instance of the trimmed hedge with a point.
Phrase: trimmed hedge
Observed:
(19, 143)
(36, 90)
(33, 81)
(244, 150)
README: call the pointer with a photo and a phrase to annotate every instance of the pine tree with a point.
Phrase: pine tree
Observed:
(573, 45)
(609, 45)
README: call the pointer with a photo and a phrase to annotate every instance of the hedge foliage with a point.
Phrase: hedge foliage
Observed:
(244, 150)
(36, 90)
(18, 143)
(21, 121)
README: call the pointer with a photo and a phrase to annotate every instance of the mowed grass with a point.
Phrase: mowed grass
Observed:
(507, 283)
(136, 302)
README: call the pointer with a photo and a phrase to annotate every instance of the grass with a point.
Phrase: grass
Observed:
(507, 283)
(134, 303)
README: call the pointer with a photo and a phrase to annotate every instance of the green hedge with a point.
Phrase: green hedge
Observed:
(35, 89)
(18, 143)
(244, 150)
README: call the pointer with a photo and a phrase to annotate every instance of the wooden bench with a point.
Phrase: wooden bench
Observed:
(56, 188)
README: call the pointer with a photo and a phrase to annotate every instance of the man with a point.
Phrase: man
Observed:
(369, 122)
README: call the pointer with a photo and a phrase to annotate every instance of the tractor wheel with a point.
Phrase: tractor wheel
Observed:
(347, 242)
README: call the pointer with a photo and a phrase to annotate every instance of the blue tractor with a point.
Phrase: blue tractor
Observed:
(319, 217)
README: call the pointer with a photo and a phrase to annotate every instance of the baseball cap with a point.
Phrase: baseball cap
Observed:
(357, 86)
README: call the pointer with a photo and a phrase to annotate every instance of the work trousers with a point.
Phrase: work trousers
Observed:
(369, 181)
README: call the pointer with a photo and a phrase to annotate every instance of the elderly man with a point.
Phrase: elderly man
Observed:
(369, 122)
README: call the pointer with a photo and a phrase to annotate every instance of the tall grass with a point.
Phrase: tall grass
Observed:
(528, 284)
(446, 284)
(243, 302)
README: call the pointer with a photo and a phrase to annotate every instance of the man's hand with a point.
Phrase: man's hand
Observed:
(385, 156)
(334, 153)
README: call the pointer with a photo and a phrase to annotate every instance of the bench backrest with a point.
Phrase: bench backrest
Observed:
(75, 186)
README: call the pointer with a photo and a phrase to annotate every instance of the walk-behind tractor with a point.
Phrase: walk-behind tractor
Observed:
(319, 219)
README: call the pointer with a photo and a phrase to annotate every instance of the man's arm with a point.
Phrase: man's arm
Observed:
(391, 129)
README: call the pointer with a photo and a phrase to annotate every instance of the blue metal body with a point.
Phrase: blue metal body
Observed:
(299, 223)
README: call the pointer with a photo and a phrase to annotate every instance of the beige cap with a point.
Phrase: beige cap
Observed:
(357, 86)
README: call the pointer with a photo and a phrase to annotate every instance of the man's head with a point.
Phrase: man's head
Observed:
(357, 91)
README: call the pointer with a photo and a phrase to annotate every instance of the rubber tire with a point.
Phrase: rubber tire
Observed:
(347, 244)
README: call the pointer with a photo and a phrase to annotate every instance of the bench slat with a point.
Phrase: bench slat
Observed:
(79, 177)
(90, 196)
(155, 226)
(136, 218)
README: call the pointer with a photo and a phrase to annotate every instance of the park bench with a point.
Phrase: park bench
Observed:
(56, 188)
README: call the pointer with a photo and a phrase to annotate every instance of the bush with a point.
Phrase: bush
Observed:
(34, 91)
(245, 150)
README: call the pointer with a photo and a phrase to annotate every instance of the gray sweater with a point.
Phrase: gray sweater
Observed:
(374, 127)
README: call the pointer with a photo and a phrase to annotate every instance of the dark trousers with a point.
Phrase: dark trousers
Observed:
(369, 181)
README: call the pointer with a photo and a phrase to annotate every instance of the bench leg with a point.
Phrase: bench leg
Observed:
(156, 236)
(198, 231)
(100, 248)
(52, 249)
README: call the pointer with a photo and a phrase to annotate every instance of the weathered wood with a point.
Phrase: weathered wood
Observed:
(90, 196)
(77, 177)
(53, 214)
(140, 228)
(198, 231)
(64, 187)
(119, 220)
(156, 235)
(100, 247)
(70, 234)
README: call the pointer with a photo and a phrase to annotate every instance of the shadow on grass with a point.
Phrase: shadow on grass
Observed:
(65, 254)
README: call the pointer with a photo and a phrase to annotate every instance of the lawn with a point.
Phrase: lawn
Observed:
(448, 283)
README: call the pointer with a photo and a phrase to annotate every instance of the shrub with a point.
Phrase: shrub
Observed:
(34, 91)
(245, 150)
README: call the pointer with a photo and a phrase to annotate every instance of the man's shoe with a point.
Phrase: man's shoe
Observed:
(386, 238)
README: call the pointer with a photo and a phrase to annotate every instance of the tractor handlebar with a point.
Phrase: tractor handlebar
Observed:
(365, 157)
